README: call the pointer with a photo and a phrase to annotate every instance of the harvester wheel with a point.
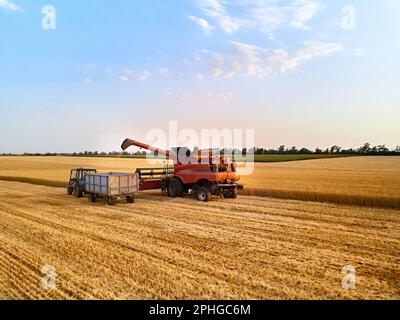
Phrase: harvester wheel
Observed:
(203, 194)
(175, 188)
(78, 193)
(92, 197)
(130, 199)
(231, 194)
(70, 190)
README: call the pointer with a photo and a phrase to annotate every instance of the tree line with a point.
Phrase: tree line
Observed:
(366, 149)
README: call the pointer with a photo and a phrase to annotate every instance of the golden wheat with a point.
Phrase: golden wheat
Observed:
(162, 248)
(367, 181)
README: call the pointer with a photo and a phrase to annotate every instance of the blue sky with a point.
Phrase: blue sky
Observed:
(295, 71)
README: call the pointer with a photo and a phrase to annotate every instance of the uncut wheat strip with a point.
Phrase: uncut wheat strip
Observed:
(304, 195)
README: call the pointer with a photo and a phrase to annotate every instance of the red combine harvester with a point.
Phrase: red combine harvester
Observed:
(202, 174)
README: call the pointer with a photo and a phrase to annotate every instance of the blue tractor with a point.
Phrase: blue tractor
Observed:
(76, 184)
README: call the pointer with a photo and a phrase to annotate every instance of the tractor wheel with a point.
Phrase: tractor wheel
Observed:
(70, 190)
(175, 188)
(78, 193)
(109, 200)
(92, 197)
(130, 199)
(203, 194)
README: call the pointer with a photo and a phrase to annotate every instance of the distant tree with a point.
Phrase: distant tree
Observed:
(335, 149)
(304, 151)
(318, 151)
(293, 150)
(365, 149)
(281, 149)
(382, 149)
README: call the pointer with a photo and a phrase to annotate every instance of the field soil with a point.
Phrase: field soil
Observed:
(157, 248)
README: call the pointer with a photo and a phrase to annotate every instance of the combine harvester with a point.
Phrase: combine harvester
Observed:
(202, 174)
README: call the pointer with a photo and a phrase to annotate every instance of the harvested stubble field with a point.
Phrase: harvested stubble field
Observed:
(251, 247)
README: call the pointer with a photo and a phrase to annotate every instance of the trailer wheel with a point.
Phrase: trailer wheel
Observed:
(70, 190)
(78, 193)
(175, 188)
(109, 200)
(130, 199)
(92, 197)
(203, 194)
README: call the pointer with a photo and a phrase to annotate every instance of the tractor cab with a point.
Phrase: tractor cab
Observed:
(76, 181)
(79, 174)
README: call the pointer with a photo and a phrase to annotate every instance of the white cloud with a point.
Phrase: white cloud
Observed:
(144, 75)
(204, 25)
(163, 72)
(88, 80)
(129, 74)
(253, 61)
(360, 52)
(216, 10)
(5, 4)
(205, 97)
(263, 15)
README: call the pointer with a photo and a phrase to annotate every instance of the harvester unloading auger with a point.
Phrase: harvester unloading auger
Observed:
(202, 174)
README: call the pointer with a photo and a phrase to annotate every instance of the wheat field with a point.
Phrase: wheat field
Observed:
(254, 247)
(159, 248)
(368, 181)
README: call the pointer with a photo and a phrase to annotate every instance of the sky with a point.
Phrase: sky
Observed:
(84, 75)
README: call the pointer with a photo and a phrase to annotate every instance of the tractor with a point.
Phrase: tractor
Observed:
(76, 184)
